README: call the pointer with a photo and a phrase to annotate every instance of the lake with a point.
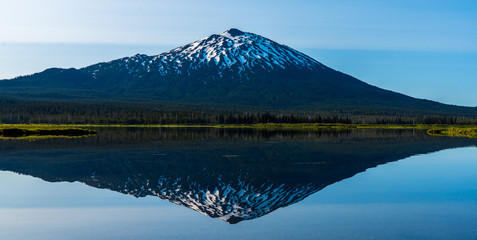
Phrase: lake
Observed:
(191, 183)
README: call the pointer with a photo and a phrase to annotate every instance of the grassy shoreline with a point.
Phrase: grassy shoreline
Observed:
(432, 129)
(32, 132)
(258, 126)
(292, 126)
(454, 132)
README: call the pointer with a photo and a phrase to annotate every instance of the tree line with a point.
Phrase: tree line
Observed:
(120, 113)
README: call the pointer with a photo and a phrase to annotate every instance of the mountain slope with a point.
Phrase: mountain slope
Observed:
(233, 68)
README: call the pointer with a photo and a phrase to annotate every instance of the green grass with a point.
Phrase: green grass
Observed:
(432, 129)
(37, 131)
(454, 132)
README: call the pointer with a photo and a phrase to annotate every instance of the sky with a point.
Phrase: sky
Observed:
(423, 48)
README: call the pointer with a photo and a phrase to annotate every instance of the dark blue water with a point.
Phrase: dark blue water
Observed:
(239, 184)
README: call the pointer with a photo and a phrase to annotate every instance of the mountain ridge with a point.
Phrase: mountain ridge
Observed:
(233, 68)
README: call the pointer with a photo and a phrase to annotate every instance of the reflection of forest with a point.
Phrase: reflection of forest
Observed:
(137, 135)
(219, 172)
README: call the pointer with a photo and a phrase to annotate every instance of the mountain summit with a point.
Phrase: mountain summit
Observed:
(233, 68)
(231, 53)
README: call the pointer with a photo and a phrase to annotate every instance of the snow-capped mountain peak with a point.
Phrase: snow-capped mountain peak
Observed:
(233, 53)
(238, 50)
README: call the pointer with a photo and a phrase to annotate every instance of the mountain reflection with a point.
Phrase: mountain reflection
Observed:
(231, 174)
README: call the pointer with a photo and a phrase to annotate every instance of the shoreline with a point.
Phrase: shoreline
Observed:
(72, 130)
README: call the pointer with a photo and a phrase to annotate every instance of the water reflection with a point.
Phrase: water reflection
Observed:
(231, 174)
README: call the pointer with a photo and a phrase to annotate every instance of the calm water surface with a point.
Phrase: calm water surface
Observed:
(239, 184)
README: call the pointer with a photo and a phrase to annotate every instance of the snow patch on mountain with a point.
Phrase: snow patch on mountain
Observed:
(237, 49)
(232, 51)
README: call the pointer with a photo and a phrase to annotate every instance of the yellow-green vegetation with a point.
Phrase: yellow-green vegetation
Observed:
(272, 126)
(318, 126)
(38, 131)
(432, 129)
(454, 132)
(304, 126)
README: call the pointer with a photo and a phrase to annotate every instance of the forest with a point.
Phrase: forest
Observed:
(101, 112)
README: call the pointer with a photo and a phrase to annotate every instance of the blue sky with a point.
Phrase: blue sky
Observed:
(426, 49)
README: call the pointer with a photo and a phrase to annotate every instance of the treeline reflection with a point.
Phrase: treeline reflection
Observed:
(231, 174)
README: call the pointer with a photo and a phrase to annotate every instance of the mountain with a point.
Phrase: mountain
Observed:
(234, 68)
(229, 174)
